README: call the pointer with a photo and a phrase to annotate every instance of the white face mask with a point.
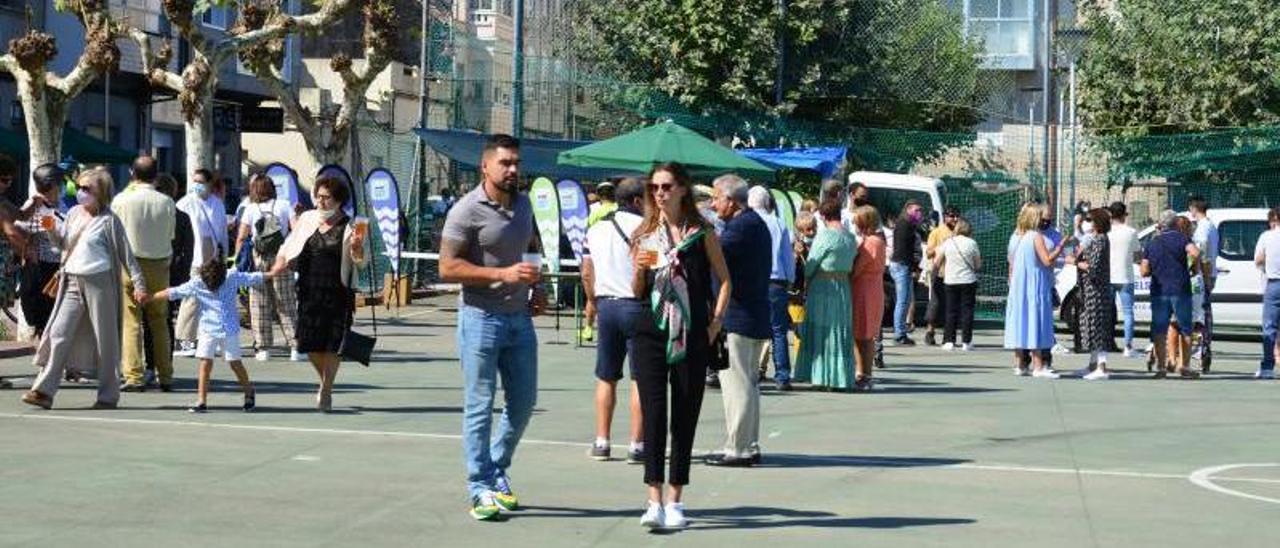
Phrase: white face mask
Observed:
(330, 214)
(86, 198)
(1087, 227)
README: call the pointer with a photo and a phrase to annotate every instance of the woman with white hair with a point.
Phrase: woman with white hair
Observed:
(85, 325)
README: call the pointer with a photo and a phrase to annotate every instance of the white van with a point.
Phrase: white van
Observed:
(1237, 297)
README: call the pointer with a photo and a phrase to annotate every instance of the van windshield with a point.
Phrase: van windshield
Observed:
(889, 201)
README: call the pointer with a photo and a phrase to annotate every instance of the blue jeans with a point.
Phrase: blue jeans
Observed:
(1270, 324)
(492, 345)
(780, 322)
(1164, 305)
(1124, 296)
(901, 274)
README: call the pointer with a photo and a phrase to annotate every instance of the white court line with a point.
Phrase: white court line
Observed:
(1204, 478)
(923, 463)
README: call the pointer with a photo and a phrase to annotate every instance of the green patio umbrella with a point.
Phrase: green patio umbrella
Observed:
(640, 150)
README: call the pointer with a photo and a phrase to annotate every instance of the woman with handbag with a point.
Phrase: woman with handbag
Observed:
(266, 223)
(676, 253)
(85, 325)
(325, 250)
(959, 260)
(826, 336)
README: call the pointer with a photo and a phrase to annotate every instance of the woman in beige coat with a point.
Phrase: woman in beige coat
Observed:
(85, 325)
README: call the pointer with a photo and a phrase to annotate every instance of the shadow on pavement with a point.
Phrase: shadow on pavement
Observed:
(748, 517)
(792, 460)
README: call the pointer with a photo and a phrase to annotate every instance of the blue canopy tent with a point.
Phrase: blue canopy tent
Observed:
(537, 156)
(824, 160)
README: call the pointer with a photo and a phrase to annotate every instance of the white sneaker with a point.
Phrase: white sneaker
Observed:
(262, 356)
(1021, 372)
(294, 356)
(1098, 374)
(948, 347)
(186, 349)
(673, 516)
(1264, 374)
(653, 517)
(966, 347)
(1129, 352)
(1046, 373)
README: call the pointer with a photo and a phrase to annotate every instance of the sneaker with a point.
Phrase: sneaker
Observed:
(1046, 373)
(1021, 372)
(250, 402)
(599, 452)
(1098, 374)
(186, 349)
(966, 347)
(673, 516)
(502, 494)
(635, 456)
(948, 347)
(131, 387)
(1129, 352)
(484, 508)
(198, 408)
(295, 356)
(653, 517)
(262, 356)
(904, 341)
(1265, 374)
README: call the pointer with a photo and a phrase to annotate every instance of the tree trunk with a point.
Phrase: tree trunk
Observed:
(198, 132)
(44, 115)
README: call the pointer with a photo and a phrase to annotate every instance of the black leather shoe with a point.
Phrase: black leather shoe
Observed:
(130, 387)
(720, 459)
(166, 387)
(784, 386)
(755, 459)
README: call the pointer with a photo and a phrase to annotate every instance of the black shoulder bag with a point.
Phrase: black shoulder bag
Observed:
(357, 346)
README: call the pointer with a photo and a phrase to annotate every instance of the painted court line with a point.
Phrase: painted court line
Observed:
(1206, 477)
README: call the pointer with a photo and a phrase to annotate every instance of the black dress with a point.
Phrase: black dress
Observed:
(1097, 325)
(325, 305)
(680, 384)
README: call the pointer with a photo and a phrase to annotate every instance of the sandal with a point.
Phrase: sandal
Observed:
(37, 399)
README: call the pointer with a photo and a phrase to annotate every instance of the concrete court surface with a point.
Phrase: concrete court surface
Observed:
(952, 450)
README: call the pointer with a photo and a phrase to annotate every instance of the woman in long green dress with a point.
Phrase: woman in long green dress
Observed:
(826, 347)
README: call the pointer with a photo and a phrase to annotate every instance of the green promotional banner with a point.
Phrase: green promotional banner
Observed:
(546, 212)
(784, 210)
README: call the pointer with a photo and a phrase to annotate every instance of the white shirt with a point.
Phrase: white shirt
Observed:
(1269, 248)
(611, 257)
(1206, 238)
(280, 208)
(208, 222)
(91, 237)
(961, 257)
(1124, 245)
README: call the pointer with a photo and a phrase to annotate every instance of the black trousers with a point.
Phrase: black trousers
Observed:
(36, 306)
(961, 300)
(684, 383)
(938, 304)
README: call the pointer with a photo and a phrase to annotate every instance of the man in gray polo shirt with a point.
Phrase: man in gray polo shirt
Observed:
(484, 237)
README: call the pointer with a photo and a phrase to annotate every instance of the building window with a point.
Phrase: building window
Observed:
(218, 18)
(1007, 29)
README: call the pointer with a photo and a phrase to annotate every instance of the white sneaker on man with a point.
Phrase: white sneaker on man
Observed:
(1098, 374)
(1046, 373)
(295, 356)
(1264, 374)
(966, 347)
(262, 356)
(1021, 372)
(653, 517)
(1129, 352)
(186, 349)
(673, 516)
(948, 347)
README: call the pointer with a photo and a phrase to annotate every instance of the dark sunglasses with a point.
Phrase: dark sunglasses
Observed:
(665, 187)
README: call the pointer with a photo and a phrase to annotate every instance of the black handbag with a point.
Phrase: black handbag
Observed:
(357, 346)
(719, 353)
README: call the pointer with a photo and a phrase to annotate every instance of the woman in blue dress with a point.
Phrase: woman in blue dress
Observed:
(1028, 320)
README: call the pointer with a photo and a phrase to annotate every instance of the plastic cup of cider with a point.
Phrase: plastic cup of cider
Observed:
(48, 223)
(361, 226)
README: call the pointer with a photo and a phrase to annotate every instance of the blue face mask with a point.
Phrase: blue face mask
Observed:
(199, 189)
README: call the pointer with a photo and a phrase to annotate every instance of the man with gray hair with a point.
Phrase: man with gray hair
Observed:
(782, 273)
(746, 321)
(1165, 261)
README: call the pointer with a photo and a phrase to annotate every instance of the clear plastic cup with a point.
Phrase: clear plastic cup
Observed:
(361, 226)
(48, 223)
(534, 259)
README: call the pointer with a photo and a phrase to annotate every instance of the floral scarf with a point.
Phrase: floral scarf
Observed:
(669, 298)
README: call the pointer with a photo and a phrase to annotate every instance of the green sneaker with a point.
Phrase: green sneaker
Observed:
(503, 495)
(483, 507)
